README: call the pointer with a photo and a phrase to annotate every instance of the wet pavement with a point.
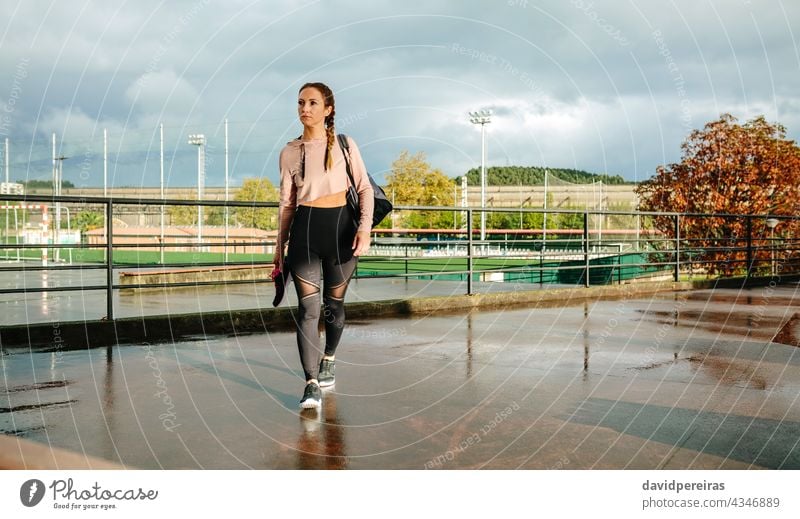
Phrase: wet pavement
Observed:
(702, 380)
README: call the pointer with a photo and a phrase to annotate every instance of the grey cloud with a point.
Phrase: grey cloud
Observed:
(599, 85)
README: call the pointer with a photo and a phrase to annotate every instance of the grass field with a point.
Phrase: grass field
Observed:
(604, 270)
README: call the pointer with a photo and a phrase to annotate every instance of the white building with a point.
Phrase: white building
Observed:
(11, 188)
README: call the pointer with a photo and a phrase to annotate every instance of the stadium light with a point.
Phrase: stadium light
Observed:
(199, 140)
(482, 117)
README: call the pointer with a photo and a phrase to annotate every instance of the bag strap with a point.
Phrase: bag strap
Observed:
(346, 152)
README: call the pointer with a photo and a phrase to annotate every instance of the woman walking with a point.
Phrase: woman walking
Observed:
(323, 242)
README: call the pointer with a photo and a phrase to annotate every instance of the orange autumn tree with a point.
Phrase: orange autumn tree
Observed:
(727, 168)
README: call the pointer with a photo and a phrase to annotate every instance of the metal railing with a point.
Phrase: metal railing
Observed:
(578, 255)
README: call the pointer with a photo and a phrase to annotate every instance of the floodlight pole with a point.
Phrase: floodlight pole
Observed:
(199, 140)
(482, 117)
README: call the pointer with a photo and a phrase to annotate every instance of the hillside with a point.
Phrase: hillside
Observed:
(533, 175)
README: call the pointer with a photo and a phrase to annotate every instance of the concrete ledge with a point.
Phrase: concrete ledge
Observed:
(21, 454)
(165, 328)
(192, 275)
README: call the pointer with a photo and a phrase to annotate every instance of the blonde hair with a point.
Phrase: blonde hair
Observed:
(327, 98)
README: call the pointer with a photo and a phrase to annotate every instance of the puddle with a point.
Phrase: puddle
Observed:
(657, 365)
(746, 298)
(721, 369)
(730, 373)
(741, 324)
(30, 407)
(788, 334)
(36, 387)
(22, 432)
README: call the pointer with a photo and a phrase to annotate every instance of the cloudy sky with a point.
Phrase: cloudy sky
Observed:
(606, 86)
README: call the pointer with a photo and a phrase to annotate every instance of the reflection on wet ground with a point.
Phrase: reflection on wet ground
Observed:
(789, 332)
(743, 323)
(322, 443)
(704, 380)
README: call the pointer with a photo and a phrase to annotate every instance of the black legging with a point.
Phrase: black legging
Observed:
(320, 237)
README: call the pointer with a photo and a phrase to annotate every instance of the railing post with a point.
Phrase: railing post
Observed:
(405, 262)
(469, 252)
(586, 248)
(677, 274)
(541, 265)
(109, 262)
(749, 226)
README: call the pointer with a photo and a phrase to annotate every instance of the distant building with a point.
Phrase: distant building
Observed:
(184, 238)
(11, 188)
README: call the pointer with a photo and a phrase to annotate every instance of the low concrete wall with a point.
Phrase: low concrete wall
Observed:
(192, 276)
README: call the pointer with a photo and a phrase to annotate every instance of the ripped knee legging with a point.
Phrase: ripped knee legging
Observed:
(320, 248)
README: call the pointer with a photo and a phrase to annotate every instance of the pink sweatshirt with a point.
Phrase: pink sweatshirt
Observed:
(317, 183)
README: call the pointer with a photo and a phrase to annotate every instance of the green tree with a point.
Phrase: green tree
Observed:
(256, 190)
(569, 220)
(187, 215)
(413, 181)
(182, 214)
(89, 220)
(44, 184)
(534, 175)
(215, 215)
(511, 220)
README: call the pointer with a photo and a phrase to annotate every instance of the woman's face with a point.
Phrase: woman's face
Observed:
(311, 107)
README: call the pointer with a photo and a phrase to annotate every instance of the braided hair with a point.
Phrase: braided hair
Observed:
(327, 96)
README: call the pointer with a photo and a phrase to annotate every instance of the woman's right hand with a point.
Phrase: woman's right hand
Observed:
(277, 266)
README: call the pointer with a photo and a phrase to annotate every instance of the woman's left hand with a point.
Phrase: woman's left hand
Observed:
(361, 243)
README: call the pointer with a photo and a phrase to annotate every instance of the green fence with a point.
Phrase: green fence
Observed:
(603, 271)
